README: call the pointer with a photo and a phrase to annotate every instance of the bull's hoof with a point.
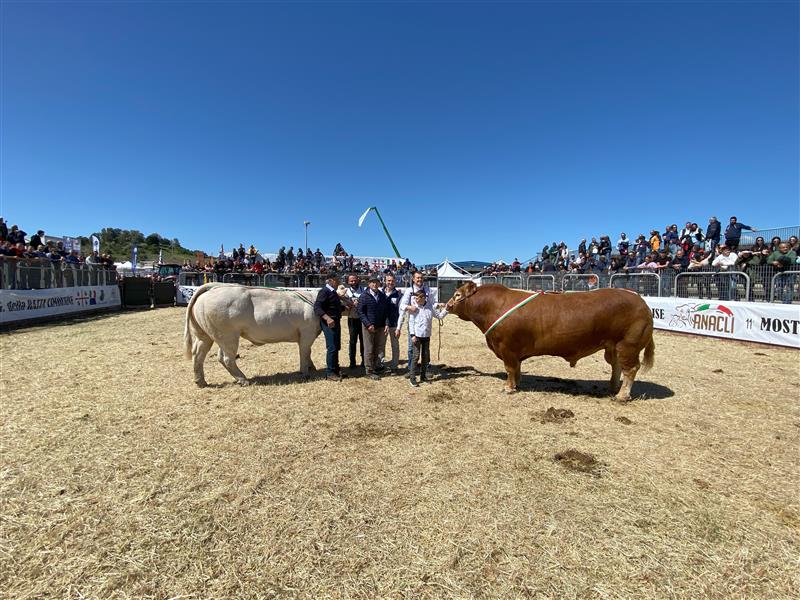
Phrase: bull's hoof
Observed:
(244, 382)
(201, 384)
(510, 391)
(621, 399)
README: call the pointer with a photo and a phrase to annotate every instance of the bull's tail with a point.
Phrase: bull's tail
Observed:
(188, 338)
(649, 354)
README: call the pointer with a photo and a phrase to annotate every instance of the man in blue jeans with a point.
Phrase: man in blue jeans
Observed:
(328, 307)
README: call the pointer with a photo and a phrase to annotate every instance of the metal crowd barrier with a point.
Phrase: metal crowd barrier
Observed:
(28, 274)
(249, 279)
(645, 284)
(512, 281)
(581, 282)
(712, 285)
(541, 283)
(785, 287)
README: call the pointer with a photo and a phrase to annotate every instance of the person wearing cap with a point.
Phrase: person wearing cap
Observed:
(328, 307)
(420, 324)
(372, 310)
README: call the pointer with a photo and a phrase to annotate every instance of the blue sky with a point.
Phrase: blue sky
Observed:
(480, 130)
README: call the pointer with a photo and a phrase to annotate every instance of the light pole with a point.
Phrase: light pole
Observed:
(306, 223)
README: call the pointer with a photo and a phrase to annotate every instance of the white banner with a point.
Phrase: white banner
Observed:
(777, 324)
(22, 305)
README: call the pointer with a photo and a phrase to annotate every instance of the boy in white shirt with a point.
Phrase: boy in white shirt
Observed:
(420, 324)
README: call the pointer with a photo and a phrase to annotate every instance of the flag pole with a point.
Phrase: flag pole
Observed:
(386, 231)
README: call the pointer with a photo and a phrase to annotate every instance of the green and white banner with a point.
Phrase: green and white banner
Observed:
(777, 324)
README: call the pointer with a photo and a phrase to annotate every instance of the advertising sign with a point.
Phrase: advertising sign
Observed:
(22, 305)
(777, 324)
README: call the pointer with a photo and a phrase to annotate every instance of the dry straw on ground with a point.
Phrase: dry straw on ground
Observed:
(120, 479)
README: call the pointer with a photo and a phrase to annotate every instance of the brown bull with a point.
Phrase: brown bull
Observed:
(571, 325)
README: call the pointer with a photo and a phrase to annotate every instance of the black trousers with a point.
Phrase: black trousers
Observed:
(356, 336)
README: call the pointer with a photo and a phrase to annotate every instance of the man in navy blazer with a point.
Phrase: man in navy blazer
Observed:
(373, 308)
(328, 307)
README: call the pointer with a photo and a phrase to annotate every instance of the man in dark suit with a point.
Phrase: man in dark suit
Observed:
(372, 309)
(328, 307)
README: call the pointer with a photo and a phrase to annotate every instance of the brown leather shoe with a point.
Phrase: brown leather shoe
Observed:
(333, 377)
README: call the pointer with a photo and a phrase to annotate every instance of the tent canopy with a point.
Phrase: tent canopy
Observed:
(448, 270)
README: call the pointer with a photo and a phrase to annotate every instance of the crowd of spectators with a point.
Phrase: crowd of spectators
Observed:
(689, 248)
(673, 250)
(13, 244)
(299, 262)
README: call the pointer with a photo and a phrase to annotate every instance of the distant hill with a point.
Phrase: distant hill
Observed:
(120, 242)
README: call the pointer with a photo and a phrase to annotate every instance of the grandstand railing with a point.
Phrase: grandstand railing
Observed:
(541, 283)
(646, 284)
(785, 287)
(763, 283)
(712, 285)
(33, 274)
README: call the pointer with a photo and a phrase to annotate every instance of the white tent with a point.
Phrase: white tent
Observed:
(448, 270)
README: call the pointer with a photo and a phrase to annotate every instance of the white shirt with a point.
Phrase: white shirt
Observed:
(420, 323)
(725, 262)
(354, 294)
(407, 298)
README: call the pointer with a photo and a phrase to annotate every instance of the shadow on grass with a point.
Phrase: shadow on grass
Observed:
(642, 390)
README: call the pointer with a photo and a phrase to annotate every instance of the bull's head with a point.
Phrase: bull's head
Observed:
(455, 304)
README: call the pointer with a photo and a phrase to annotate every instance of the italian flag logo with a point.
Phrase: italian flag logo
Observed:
(714, 307)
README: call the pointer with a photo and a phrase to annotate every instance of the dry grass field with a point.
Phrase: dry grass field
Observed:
(120, 479)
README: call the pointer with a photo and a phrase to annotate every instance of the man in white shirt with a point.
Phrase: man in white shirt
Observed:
(727, 283)
(408, 306)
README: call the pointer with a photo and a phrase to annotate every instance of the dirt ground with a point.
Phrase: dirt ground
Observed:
(120, 479)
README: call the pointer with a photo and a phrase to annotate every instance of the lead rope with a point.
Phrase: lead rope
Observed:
(439, 349)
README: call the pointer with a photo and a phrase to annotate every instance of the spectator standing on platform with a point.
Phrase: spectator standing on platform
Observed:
(655, 240)
(670, 239)
(605, 247)
(623, 244)
(36, 239)
(733, 233)
(16, 235)
(328, 307)
(372, 309)
(3, 230)
(353, 291)
(290, 258)
(713, 232)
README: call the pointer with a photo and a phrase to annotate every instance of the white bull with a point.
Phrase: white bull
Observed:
(223, 313)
